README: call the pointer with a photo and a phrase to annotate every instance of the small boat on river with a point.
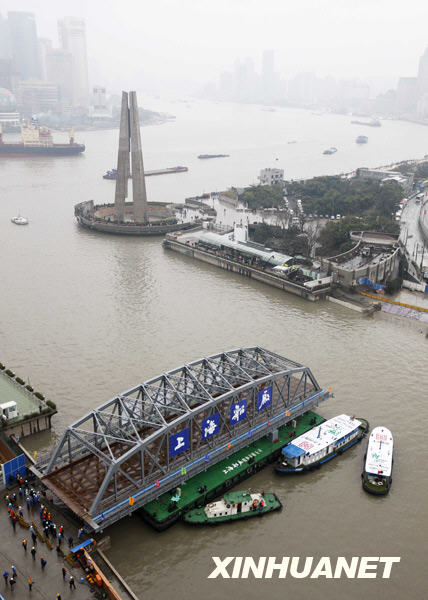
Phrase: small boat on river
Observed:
(331, 150)
(378, 462)
(20, 220)
(234, 506)
(321, 444)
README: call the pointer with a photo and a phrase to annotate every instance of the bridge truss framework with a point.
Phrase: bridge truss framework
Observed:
(119, 456)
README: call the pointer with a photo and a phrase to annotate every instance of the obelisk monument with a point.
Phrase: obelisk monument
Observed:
(130, 141)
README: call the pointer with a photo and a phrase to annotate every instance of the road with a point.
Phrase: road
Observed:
(410, 233)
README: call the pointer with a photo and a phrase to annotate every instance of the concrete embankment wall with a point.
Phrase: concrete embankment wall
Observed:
(142, 230)
(244, 270)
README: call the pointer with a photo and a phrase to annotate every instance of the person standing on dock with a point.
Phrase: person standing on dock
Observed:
(33, 553)
(64, 572)
(71, 583)
(14, 573)
(6, 576)
(80, 533)
(12, 582)
(24, 544)
(70, 540)
(42, 562)
(30, 583)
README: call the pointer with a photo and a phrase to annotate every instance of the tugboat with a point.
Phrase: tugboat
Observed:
(378, 462)
(321, 444)
(234, 506)
(331, 150)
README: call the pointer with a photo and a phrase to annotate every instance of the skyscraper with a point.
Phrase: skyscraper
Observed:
(72, 37)
(268, 76)
(24, 45)
(423, 73)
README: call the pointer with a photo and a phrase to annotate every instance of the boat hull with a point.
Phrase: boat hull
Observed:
(21, 151)
(198, 516)
(381, 489)
(288, 470)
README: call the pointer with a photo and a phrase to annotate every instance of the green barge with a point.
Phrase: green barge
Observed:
(168, 508)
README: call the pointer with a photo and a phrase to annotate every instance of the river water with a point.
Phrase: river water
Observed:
(86, 316)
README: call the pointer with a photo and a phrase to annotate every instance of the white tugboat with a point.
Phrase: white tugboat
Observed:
(379, 459)
(320, 444)
(234, 506)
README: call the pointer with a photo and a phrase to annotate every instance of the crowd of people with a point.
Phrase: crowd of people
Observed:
(25, 496)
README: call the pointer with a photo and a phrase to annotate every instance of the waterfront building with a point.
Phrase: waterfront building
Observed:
(405, 180)
(407, 94)
(24, 44)
(98, 109)
(72, 36)
(271, 177)
(35, 96)
(9, 117)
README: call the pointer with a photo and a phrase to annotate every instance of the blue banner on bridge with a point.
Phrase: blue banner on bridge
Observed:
(179, 442)
(238, 411)
(210, 426)
(264, 398)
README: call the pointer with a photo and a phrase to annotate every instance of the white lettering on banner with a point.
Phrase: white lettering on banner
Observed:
(242, 567)
(212, 426)
(238, 411)
(265, 398)
(180, 443)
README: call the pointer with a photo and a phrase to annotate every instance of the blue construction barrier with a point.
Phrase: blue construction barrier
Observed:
(12, 468)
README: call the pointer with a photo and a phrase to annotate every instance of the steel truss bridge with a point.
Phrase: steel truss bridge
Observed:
(153, 437)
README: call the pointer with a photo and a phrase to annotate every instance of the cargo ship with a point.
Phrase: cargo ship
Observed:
(203, 156)
(37, 141)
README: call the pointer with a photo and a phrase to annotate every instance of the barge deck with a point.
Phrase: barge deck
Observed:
(207, 485)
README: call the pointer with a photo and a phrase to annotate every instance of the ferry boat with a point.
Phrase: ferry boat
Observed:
(378, 462)
(321, 444)
(20, 220)
(234, 506)
(331, 150)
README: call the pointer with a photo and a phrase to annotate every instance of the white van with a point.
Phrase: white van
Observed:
(9, 410)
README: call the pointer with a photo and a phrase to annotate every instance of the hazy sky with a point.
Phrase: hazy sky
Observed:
(190, 42)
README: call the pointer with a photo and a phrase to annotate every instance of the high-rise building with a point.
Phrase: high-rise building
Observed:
(72, 37)
(59, 71)
(45, 46)
(268, 76)
(24, 44)
(423, 73)
(5, 48)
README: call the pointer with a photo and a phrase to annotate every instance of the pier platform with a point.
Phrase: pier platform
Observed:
(163, 512)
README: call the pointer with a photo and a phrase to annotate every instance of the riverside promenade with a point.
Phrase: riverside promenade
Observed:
(47, 582)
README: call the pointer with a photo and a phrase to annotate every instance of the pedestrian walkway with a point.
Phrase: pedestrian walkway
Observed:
(47, 582)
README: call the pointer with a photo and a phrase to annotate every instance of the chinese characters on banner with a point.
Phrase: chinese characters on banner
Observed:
(264, 398)
(210, 426)
(238, 411)
(179, 442)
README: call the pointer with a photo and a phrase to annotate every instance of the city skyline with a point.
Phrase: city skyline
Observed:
(189, 44)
